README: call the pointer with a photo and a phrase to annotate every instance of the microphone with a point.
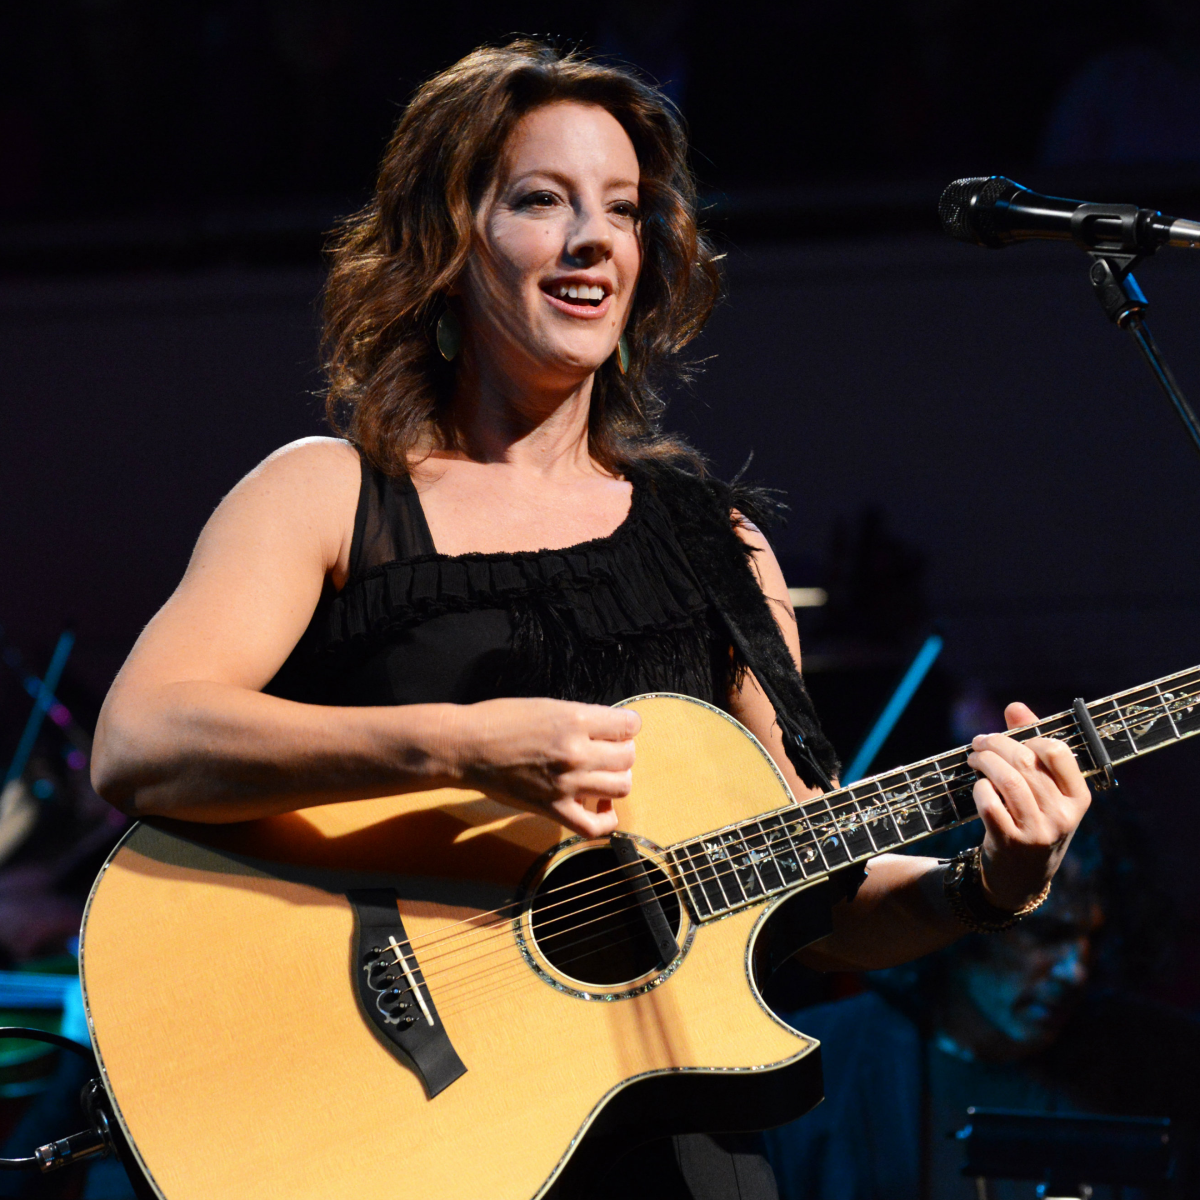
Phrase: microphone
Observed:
(996, 212)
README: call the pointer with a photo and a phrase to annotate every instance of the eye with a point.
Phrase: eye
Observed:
(538, 200)
(627, 209)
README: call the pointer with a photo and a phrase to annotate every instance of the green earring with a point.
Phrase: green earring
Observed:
(449, 335)
(622, 354)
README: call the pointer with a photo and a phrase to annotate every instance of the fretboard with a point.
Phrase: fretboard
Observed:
(744, 864)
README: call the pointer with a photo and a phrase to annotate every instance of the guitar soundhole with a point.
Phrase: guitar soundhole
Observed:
(587, 922)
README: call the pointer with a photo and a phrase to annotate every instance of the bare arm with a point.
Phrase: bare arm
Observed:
(1031, 800)
(186, 731)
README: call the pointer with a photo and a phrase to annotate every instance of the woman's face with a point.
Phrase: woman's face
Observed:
(552, 274)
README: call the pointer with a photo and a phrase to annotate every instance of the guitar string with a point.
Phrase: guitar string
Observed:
(451, 986)
(1178, 705)
(1175, 705)
(819, 820)
(454, 990)
(1041, 726)
(731, 870)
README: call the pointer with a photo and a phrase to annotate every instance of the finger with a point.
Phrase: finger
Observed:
(598, 785)
(611, 724)
(608, 756)
(1062, 766)
(1014, 788)
(991, 810)
(1018, 714)
(1027, 758)
(1016, 754)
(580, 820)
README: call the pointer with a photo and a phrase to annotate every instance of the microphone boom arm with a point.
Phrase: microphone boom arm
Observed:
(1125, 304)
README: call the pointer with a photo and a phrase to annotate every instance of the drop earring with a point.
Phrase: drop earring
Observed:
(622, 354)
(448, 335)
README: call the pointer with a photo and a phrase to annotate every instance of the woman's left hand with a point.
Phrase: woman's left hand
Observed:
(1031, 800)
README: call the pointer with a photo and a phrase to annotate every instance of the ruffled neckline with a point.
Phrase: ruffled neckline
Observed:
(633, 581)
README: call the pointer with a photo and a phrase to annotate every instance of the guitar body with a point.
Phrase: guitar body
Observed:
(223, 975)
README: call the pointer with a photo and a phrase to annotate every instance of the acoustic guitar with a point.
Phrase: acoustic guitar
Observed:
(437, 996)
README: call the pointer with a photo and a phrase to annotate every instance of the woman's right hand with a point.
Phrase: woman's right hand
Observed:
(565, 760)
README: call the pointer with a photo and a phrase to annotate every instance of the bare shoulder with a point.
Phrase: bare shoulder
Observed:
(314, 480)
(298, 502)
(321, 462)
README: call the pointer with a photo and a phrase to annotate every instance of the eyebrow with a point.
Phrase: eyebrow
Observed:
(563, 179)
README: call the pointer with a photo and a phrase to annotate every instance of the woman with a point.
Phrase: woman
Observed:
(503, 545)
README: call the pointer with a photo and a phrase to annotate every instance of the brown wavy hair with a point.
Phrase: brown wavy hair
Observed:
(393, 263)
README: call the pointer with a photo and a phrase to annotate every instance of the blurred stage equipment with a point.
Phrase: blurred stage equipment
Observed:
(1067, 1154)
(996, 212)
(43, 702)
(58, 712)
(913, 677)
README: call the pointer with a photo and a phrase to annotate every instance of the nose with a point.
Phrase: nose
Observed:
(590, 239)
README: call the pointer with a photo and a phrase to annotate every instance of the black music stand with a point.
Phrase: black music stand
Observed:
(1066, 1153)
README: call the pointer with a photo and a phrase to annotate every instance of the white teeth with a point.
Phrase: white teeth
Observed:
(581, 292)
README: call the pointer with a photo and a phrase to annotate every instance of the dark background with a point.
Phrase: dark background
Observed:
(964, 439)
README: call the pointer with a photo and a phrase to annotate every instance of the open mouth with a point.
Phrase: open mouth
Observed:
(590, 296)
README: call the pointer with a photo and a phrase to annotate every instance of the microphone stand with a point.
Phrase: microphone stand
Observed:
(1125, 305)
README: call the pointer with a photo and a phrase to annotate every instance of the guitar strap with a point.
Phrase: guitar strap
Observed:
(699, 509)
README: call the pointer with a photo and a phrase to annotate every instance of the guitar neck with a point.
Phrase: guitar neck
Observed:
(744, 864)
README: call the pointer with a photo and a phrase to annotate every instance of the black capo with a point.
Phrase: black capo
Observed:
(1091, 735)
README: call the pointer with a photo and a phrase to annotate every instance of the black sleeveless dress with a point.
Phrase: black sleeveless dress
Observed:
(597, 622)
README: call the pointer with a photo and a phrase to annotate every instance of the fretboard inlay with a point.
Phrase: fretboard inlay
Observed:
(733, 868)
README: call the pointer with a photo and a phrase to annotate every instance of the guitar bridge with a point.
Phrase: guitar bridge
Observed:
(394, 995)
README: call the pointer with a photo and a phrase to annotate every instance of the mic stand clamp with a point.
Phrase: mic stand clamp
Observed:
(1125, 304)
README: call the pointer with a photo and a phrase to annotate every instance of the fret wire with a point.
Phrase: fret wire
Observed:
(865, 823)
(717, 872)
(889, 814)
(874, 801)
(699, 885)
(886, 801)
(916, 798)
(733, 871)
(753, 865)
(699, 881)
(786, 826)
(767, 856)
(1167, 710)
(947, 792)
(916, 792)
(812, 829)
(812, 849)
(772, 841)
(916, 789)
(713, 876)
(837, 836)
(1124, 725)
(947, 788)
